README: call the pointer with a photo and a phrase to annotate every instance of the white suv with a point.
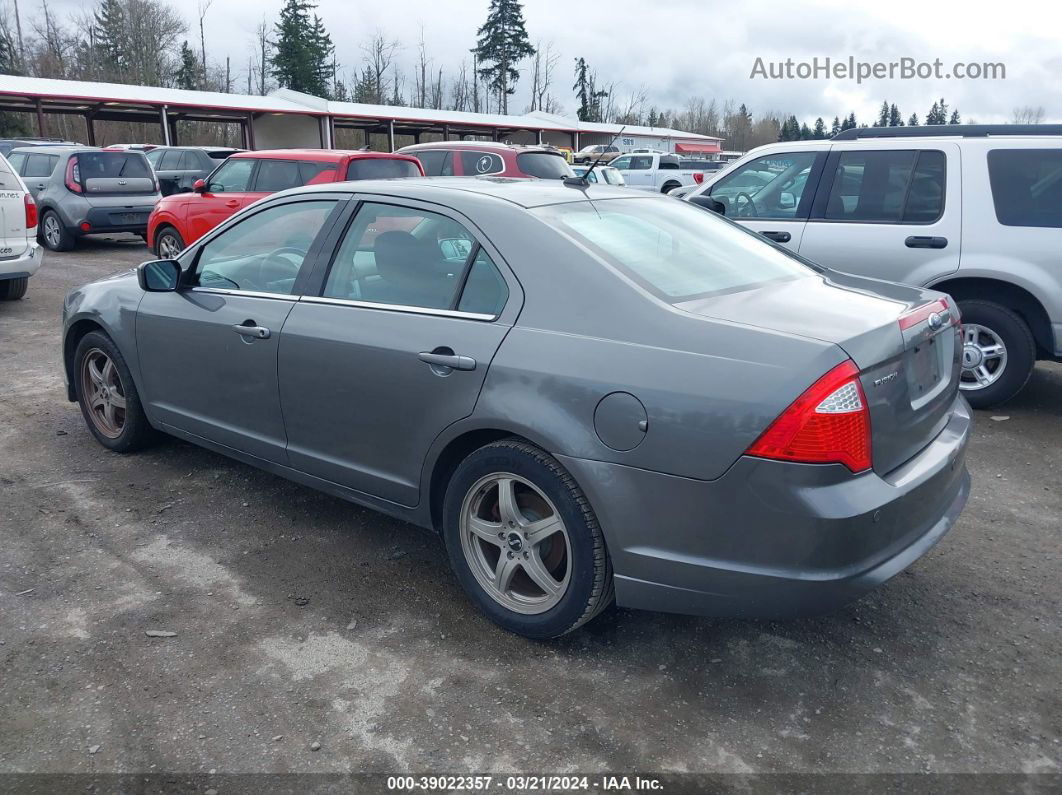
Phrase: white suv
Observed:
(972, 210)
(20, 254)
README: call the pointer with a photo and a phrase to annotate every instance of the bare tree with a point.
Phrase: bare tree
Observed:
(1027, 114)
(633, 107)
(460, 90)
(261, 53)
(379, 55)
(420, 76)
(543, 64)
(204, 6)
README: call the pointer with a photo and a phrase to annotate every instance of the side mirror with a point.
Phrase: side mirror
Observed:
(786, 201)
(708, 203)
(199, 186)
(159, 276)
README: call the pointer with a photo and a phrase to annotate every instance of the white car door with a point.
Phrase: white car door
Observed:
(773, 193)
(888, 209)
(13, 236)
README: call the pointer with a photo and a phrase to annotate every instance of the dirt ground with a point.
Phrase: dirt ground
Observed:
(301, 619)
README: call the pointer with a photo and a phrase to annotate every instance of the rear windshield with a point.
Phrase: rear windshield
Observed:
(1027, 186)
(675, 250)
(113, 165)
(544, 165)
(381, 168)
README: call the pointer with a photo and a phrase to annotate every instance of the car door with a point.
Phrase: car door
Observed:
(772, 194)
(395, 347)
(887, 211)
(208, 352)
(227, 191)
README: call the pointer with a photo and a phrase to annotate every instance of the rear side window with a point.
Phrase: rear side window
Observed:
(154, 156)
(276, 175)
(381, 168)
(113, 165)
(40, 165)
(480, 163)
(18, 160)
(543, 165)
(436, 163)
(1027, 186)
(188, 162)
(485, 290)
(315, 172)
(887, 187)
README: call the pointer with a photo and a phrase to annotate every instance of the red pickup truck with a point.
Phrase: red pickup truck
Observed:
(245, 177)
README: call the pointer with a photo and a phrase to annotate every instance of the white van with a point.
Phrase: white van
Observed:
(20, 254)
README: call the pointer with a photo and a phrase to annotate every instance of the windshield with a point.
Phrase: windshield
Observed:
(545, 165)
(675, 250)
(381, 168)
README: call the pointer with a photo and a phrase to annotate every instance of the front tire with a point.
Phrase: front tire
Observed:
(999, 353)
(13, 289)
(168, 243)
(524, 542)
(53, 234)
(108, 397)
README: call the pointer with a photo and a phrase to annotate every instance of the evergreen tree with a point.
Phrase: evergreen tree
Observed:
(955, 118)
(820, 129)
(913, 121)
(587, 93)
(883, 115)
(804, 133)
(849, 123)
(895, 119)
(109, 35)
(653, 120)
(302, 51)
(187, 75)
(938, 114)
(501, 45)
(835, 127)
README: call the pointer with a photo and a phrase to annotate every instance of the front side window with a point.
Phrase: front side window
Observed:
(233, 177)
(674, 250)
(171, 160)
(406, 257)
(277, 175)
(263, 253)
(1027, 186)
(767, 187)
(880, 186)
(641, 162)
(480, 163)
(622, 163)
(436, 162)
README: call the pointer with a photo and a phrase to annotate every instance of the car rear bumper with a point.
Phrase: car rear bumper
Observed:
(771, 539)
(25, 264)
(115, 219)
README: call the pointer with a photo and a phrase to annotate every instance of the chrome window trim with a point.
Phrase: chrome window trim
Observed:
(247, 293)
(416, 310)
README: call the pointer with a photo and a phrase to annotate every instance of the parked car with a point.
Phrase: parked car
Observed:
(974, 211)
(246, 177)
(485, 158)
(603, 152)
(682, 190)
(700, 164)
(7, 144)
(654, 172)
(608, 174)
(133, 147)
(589, 392)
(20, 254)
(178, 167)
(82, 190)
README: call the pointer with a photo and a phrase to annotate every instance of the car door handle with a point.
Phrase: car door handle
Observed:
(451, 360)
(249, 329)
(778, 237)
(920, 241)
(232, 203)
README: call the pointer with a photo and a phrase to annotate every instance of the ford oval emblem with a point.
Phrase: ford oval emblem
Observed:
(935, 321)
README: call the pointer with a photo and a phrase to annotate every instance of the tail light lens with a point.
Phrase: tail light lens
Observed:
(31, 212)
(919, 314)
(828, 424)
(73, 175)
(698, 177)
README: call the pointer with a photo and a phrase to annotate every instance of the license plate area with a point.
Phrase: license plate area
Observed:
(128, 219)
(928, 366)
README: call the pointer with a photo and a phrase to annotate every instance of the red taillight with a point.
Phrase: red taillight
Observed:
(828, 424)
(73, 175)
(698, 177)
(921, 313)
(31, 212)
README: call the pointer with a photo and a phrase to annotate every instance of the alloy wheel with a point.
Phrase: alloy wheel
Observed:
(984, 357)
(515, 543)
(103, 393)
(169, 248)
(52, 233)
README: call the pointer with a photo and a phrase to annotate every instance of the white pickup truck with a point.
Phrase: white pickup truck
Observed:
(655, 172)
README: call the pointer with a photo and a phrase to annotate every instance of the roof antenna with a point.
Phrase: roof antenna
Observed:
(584, 180)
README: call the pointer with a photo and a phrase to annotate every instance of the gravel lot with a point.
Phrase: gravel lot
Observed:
(301, 619)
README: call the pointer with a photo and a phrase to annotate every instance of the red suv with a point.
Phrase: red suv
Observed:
(246, 177)
(482, 158)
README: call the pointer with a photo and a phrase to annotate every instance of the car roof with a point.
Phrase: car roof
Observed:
(320, 155)
(457, 191)
(488, 145)
(62, 149)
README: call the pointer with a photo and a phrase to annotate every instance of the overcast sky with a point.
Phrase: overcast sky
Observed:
(706, 48)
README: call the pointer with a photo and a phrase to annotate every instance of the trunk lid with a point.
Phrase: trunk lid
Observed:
(910, 376)
(114, 173)
(13, 238)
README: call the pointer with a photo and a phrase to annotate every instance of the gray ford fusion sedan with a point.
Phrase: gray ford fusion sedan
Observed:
(593, 397)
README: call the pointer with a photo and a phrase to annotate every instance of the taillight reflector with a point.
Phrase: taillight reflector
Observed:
(698, 177)
(73, 175)
(31, 212)
(828, 424)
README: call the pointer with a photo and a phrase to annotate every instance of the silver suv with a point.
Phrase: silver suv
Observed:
(82, 190)
(973, 210)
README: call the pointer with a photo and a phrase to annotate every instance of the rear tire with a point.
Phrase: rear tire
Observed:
(544, 534)
(53, 234)
(993, 329)
(13, 289)
(168, 243)
(669, 186)
(108, 397)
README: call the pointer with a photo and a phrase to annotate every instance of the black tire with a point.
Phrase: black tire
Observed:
(136, 432)
(170, 234)
(590, 586)
(1014, 333)
(668, 186)
(64, 241)
(13, 289)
